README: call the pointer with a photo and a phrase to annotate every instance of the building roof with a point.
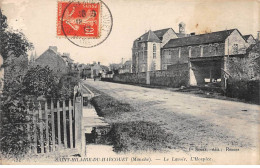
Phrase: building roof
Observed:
(104, 67)
(129, 62)
(152, 36)
(149, 37)
(70, 60)
(160, 33)
(51, 58)
(181, 35)
(213, 37)
(247, 36)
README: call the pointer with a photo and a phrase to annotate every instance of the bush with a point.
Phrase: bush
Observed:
(40, 81)
(243, 89)
(67, 83)
(139, 135)
(14, 118)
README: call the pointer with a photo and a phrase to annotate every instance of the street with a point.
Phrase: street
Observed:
(196, 122)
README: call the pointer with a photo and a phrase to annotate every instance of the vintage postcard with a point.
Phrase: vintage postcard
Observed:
(137, 82)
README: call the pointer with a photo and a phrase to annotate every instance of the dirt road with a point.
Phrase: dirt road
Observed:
(197, 122)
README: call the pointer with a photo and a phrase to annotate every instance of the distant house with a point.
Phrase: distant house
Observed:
(249, 39)
(115, 67)
(126, 68)
(85, 70)
(98, 70)
(68, 60)
(53, 60)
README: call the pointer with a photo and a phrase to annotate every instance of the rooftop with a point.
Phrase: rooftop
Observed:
(213, 37)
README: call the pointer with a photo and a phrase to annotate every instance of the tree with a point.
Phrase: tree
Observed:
(13, 48)
(12, 42)
(67, 83)
(40, 81)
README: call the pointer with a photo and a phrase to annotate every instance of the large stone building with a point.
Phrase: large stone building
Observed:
(204, 55)
(146, 50)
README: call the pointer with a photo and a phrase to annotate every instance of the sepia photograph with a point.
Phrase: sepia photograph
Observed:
(129, 82)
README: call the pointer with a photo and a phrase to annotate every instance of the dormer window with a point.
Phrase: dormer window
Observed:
(154, 50)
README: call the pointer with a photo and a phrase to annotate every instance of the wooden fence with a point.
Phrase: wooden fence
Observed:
(55, 125)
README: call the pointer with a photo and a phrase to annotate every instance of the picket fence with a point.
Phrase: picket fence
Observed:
(55, 125)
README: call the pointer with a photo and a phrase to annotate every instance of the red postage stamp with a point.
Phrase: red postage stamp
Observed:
(78, 19)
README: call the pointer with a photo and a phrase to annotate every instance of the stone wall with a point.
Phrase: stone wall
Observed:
(175, 76)
(135, 78)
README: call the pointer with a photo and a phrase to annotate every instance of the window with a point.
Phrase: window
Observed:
(154, 50)
(189, 51)
(167, 55)
(216, 48)
(136, 64)
(143, 68)
(143, 45)
(210, 48)
(201, 51)
(179, 52)
(235, 49)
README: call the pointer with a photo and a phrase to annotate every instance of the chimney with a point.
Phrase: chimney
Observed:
(98, 63)
(182, 28)
(54, 48)
(193, 34)
(258, 35)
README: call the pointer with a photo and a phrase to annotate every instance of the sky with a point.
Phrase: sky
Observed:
(37, 20)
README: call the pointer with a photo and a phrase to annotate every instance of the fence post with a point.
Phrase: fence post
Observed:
(34, 130)
(70, 125)
(52, 126)
(64, 123)
(47, 126)
(58, 123)
(41, 128)
(78, 123)
(28, 127)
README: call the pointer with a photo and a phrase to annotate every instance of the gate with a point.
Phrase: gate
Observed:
(55, 125)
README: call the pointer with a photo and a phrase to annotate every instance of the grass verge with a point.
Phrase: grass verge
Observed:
(131, 135)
